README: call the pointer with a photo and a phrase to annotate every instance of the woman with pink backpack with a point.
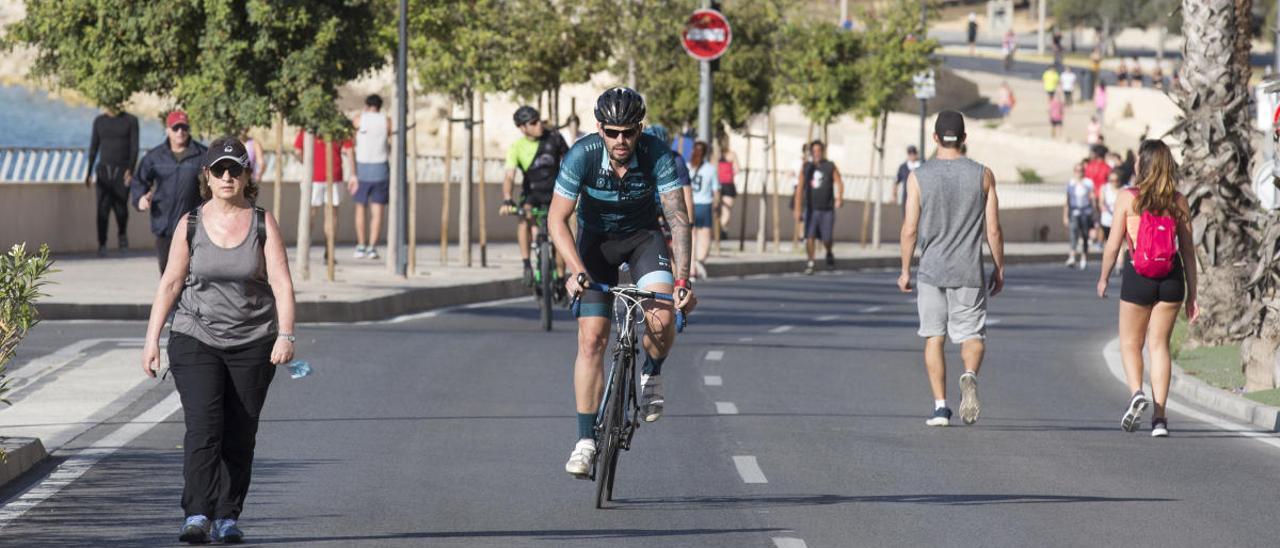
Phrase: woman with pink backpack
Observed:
(1155, 220)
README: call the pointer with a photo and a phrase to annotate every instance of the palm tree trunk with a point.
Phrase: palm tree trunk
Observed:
(1214, 97)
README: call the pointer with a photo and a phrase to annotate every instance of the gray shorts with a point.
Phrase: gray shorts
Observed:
(819, 224)
(959, 312)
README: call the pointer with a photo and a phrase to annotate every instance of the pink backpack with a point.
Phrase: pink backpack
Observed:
(1156, 245)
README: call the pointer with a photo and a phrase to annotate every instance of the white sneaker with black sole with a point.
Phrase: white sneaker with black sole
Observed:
(1133, 416)
(651, 398)
(969, 406)
(579, 464)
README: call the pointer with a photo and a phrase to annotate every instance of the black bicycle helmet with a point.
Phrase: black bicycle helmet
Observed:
(620, 107)
(525, 114)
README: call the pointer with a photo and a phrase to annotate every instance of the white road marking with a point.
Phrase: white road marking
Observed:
(828, 318)
(994, 321)
(781, 329)
(746, 339)
(713, 380)
(789, 542)
(715, 355)
(1112, 354)
(726, 408)
(870, 310)
(749, 469)
(72, 468)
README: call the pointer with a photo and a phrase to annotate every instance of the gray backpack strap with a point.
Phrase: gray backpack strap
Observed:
(261, 216)
(193, 219)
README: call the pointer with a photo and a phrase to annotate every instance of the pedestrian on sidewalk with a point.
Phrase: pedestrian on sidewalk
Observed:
(1093, 134)
(727, 170)
(257, 160)
(229, 276)
(1050, 79)
(1068, 85)
(370, 185)
(1107, 204)
(904, 170)
(1155, 221)
(705, 181)
(972, 33)
(950, 199)
(167, 182)
(1057, 112)
(1122, 73)
(1009, 48)
(819, 194)
(322, 188)
(1135, 77)
(1077, 216)
(1005, 100)
(115, 134)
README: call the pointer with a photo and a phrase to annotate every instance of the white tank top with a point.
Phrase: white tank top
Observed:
(371, 140)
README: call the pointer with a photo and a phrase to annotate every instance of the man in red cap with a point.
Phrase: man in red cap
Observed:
(167, 181)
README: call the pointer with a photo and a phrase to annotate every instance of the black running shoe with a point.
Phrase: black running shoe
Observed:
(1159, 427)
(831, 261)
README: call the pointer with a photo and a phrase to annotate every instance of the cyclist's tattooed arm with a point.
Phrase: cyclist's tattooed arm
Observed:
(677, 214)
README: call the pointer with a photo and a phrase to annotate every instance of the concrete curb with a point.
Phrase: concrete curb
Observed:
(415, 300)
(1189, 388)
(23, 454)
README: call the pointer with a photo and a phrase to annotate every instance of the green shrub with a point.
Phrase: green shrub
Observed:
(20, 282)
(1029, 175)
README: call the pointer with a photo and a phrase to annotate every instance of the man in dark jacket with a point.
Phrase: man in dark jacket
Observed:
(115, 135)
(167, 182)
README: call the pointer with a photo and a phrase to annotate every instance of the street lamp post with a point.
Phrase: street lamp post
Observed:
(402, 181)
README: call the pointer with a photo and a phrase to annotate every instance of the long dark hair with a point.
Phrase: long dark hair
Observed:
(1157, 180)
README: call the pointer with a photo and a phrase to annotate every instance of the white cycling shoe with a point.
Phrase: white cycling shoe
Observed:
(579, 464)
(651, 398)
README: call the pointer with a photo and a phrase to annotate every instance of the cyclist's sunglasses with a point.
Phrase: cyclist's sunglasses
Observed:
(224, 167)
(626, 133)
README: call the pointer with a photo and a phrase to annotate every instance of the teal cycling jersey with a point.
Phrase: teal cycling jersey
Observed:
(610, 205)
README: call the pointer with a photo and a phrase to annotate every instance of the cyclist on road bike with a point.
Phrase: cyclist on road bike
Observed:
(537, 154)
(612, 177)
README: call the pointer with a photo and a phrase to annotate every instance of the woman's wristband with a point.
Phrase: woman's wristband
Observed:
(286, 336)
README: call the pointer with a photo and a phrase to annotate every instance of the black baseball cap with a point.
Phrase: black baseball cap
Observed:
(949, 127)
(226, 148)
(911, 149)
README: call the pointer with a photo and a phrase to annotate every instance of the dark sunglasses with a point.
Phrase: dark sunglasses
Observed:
(182, 127)
(626, 133)
(224, 167)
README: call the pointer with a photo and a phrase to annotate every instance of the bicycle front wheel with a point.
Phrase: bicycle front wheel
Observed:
(544, 269)
(611, 433)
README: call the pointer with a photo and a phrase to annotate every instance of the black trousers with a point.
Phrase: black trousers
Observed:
(112, 196)
(162, 250)
(222, 393)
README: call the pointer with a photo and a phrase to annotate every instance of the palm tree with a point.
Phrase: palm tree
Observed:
(1235, 240)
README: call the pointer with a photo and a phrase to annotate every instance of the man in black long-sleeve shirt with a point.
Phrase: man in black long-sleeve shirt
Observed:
(115, 135)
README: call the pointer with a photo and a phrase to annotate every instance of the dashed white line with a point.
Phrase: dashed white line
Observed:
(994, 321)
(715, 355)
(781, 329)
(726, 408)
(713, 380)
(871, 310)
(749, 469)
(828, 318)
(746, 339)
(789, 542)
(71, 469)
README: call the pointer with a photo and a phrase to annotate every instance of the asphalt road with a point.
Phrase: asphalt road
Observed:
(452, 430)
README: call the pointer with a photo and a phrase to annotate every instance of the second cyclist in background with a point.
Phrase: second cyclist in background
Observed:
(537, 154)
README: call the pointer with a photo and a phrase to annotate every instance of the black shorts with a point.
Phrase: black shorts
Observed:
(728, 190)
(644, 252)
(535, 199)
(1141, 290)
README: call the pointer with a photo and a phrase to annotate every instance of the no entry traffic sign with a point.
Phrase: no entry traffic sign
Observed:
(706, 35)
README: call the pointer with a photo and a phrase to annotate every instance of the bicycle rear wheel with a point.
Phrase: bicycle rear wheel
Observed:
(544, 269)
(611, 434)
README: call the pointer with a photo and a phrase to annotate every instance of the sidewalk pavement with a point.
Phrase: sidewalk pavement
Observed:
(123, 287)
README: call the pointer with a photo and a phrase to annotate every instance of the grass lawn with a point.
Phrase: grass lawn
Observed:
(1216, 365)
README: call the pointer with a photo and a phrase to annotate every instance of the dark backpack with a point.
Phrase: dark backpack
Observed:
(193, 220)
(540, 177)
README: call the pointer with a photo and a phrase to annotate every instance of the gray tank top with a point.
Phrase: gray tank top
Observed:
(952, 222)
(226, 301)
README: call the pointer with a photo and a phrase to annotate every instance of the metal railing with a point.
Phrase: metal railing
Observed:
(69, 165)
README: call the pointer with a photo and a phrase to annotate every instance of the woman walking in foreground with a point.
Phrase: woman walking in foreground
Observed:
(234, 323)
(1160, 277)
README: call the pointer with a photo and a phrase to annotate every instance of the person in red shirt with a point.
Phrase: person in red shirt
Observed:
(1096, 168)
(320, 174)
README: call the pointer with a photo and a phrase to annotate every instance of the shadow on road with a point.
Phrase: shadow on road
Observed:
(548, 534)
(766, 501)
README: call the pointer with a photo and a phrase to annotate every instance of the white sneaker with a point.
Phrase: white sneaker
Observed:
(651, 399)
(371, 253)
(359, 254)
(1071, 261)
(1084, 263)
(580, 459)
(969, 406)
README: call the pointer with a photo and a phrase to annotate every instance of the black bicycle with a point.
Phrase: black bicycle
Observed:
(619, 416)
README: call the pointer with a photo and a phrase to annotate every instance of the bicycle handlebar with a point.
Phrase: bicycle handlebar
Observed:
(681, 320)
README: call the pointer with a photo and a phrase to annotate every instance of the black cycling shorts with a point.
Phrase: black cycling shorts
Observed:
(644, 252)
(1141, 290)
(536, 199)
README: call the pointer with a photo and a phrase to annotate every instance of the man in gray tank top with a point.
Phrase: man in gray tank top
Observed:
(950, 200)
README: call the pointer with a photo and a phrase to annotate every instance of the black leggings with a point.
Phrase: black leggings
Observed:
(222, 394)
(112, 196)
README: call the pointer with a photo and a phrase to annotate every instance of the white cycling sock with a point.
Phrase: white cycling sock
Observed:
(939, 404)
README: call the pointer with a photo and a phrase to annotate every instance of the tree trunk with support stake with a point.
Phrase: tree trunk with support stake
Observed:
(330, 215)
(411, 175)
(277, 191)
(448, 178)
(484, 233)
(773, 154)
(304, 205)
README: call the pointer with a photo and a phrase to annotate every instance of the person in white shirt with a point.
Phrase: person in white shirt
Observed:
(1068, 84)
(1077, 216)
